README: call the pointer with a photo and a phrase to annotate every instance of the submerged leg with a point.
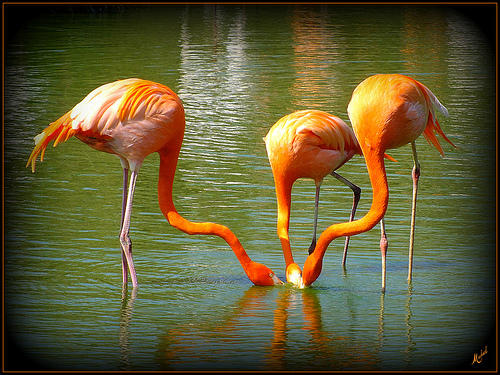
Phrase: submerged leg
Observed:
(415, 174)
(125, 241)
(316, 205)
(124, 207)
(356, 190)
(383, 251)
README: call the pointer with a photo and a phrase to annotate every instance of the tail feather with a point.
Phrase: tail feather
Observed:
(59, 131)
(433, 126)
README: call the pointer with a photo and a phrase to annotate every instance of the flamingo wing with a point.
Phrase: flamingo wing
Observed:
(326, 131)
(100, 116)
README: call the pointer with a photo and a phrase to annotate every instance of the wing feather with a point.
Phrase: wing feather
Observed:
(331, 132)
(108, 107)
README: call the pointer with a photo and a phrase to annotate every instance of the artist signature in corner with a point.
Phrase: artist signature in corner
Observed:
(478, 358)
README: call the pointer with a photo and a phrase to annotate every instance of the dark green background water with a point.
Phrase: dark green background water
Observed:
(238, 69)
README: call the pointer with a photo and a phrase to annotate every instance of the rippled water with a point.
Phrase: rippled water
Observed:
(238, 69)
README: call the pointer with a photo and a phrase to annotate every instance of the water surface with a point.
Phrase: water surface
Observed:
(238, 69)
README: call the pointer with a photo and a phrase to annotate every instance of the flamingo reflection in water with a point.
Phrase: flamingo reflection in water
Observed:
(254, 335)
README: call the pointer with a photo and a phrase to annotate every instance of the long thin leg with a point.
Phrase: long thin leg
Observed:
(316, 205)
(124, 207)
(415, 174)
(356, 190)
(124, 234)
(383, 251)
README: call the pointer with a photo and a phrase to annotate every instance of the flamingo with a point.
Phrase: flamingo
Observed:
(386, 111)
(307, 144)
(133, 118)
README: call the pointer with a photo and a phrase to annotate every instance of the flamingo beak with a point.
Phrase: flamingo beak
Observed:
(276, 280)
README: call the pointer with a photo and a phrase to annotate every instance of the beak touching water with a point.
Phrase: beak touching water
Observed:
(276, 280)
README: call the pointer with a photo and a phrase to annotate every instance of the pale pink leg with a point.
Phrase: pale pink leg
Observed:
(124, 233)
(124, 207)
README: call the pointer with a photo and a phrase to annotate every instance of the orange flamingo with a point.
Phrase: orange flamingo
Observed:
(133, 118)
(307, 144)
(386, 111)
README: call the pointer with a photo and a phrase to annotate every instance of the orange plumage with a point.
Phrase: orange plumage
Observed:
(305, 144)
(310, 144)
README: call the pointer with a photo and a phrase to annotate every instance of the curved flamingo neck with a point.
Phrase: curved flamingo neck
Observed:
(284, 198)
(376, 170)
(168, 165)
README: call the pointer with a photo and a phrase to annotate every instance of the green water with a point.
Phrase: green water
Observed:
(238, 69)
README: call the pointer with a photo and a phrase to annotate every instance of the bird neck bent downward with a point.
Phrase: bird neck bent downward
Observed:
(376, 170)
(168, 165)
(284, 199)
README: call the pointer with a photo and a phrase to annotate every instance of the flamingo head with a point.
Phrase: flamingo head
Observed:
(294, 275)
(312, 269)
(262, 275)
